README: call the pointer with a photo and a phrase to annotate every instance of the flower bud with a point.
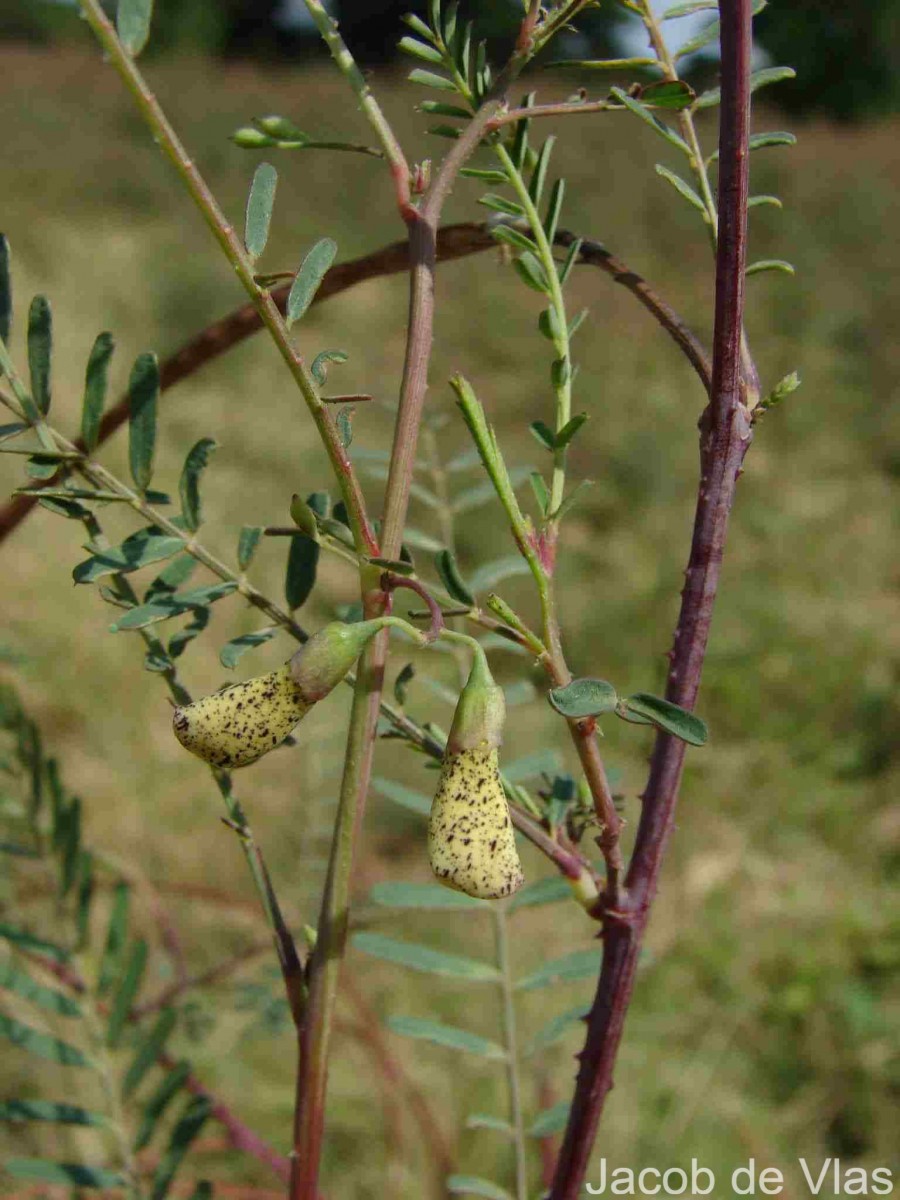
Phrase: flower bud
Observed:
(471, 842)
(236, 726)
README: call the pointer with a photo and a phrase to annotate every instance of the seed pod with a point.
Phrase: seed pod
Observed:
(471, 842)
(236, 726)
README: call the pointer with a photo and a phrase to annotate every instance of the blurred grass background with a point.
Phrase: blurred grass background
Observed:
(765, 1023)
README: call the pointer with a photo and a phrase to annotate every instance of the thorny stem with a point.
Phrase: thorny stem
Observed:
(234, 251)
(725, 438)
(517, 1115)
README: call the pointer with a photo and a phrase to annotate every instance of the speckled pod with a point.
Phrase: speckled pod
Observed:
(471, 843)
(236, 726)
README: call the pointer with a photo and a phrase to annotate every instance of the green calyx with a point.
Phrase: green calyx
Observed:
(480, 712)
(321, 664)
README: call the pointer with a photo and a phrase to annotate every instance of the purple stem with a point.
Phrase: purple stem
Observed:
(724, 439)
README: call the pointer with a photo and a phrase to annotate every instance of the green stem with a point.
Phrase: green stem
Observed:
(231, 246)
(345, 63)
(563, 388)
(516, 1114)
(325, 961)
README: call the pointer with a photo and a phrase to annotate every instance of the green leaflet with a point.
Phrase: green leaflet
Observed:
(451, 577)
(189, 487)
(309, 278)
(421, 896)
(551, 1120)
(133, 24)
(73, 1175)
(175, 605)
(448, 1036)
(665, 715)
(129, 986)
(247, 544)
(404, 796)
(143, 393)
(581, 964)
(5, 290)
(556, 1028)
(115, 938)
(149, 1051)
(192, 1120)
(232, 651)
(48, 1110)
(542, 891)
(40, 342)
(488, 575)
(423, 958)
(474, 1185)
(584, 698)
(95, 383)
(260, 202)
(28, 941)
(159, 1102)
(42, 1045)
(486, 1121)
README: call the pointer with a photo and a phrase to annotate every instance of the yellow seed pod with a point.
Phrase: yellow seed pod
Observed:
(234, 727)
(471, 843)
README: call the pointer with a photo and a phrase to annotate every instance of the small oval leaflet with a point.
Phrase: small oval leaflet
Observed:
(584, 698)
(133, 24)
(312, 271)
(667, 716)
(260, 203)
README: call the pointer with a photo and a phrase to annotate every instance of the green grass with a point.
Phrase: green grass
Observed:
(766, 1017)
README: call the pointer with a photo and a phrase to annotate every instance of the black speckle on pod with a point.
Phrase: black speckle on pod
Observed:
(236, 726)
(471, 842)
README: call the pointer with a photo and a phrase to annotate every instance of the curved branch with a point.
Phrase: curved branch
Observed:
(453, 241)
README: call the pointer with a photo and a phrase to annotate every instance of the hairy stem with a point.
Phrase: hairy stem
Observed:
(725, 437)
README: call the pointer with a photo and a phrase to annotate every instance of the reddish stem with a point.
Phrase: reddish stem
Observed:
(725, 437)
